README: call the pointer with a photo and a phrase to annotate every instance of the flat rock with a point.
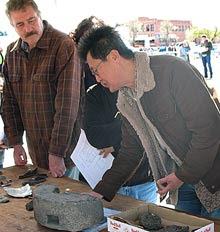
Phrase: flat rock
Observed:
(3, 199)
(66, 211)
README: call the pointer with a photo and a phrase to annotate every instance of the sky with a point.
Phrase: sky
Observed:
(66, 14)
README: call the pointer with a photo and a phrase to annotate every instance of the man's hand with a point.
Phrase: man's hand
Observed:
(94, 194)
(105, 151)
(169, 182)
(20, 156)
(56, 166)
(2, 145)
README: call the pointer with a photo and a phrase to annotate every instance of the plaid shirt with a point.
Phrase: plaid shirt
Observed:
(42, 96)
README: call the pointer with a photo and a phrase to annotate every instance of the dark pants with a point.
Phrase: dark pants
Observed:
(206, 60)
(189, 202)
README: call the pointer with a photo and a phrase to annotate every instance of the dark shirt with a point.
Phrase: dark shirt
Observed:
(102, 125)
(207, 44)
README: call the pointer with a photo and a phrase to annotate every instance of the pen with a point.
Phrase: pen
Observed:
(116, 115)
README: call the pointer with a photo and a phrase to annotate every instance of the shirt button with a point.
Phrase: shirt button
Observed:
(213, 186)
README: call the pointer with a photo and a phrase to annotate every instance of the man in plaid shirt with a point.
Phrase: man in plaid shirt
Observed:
(42, 91)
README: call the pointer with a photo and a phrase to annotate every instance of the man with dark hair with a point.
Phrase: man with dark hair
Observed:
(169, 109)
(42, 93)
(102, 125)
(206, 55)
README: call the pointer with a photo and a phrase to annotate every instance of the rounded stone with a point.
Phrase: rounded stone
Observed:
(66, 211)
(150, 221)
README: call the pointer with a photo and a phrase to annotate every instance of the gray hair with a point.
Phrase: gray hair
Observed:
(13, 5)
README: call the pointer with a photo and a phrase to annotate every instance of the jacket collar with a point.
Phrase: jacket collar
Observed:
(144, 77)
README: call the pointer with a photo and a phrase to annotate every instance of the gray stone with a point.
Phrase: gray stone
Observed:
(66, 211)
(3, 199)
(150, 221)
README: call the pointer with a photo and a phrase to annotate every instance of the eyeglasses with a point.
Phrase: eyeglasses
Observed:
(94, 71)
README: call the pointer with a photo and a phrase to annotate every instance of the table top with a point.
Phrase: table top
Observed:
(14, 217)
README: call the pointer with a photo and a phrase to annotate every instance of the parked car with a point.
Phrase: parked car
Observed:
(3, 33)
(216, 50)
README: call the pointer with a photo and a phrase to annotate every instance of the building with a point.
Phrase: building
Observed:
(162, 32)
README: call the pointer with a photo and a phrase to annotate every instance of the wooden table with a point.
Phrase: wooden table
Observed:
(15, 218)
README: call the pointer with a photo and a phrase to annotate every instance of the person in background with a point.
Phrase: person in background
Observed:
(83, 27)
(102, 125)
(183, 53)
(162, 99)
(206, 47)
(187, 49)
(42, 95)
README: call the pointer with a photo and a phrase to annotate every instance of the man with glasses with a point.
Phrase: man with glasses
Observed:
(168, 111)
(42, 90)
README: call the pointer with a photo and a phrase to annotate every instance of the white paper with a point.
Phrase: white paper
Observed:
(2, 134)
(19, 192)
(89, 162)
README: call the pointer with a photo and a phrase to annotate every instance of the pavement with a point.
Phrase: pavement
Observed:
(215, 81)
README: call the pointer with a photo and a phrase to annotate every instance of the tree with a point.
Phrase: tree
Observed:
(133, 27)
(195, 34)
(166, 28)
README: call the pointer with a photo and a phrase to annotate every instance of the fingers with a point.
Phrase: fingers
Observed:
(163, 187)
(106, 151)
(20, 156)
(57, 172)
(56, 166)
(101, 152)
(20, 159)
(105, 155)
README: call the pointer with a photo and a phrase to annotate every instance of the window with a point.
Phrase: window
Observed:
(152, 27)
(148, 27)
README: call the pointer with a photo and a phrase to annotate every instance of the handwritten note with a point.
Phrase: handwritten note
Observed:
(89, 162)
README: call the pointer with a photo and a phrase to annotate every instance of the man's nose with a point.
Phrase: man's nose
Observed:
(27, 27)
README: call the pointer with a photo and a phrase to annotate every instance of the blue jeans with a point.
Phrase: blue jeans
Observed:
(144, 192)
(207, 60)
(189, 202)
(2, 152)
(72, 172)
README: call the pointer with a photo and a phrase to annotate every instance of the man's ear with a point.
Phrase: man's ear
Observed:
(114, 55)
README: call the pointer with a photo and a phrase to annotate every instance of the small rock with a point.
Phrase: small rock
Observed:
(150, 221)
(174, 228)
(4, 199)
(29, 206)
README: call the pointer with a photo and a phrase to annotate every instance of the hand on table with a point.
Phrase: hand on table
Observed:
(56, 166)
